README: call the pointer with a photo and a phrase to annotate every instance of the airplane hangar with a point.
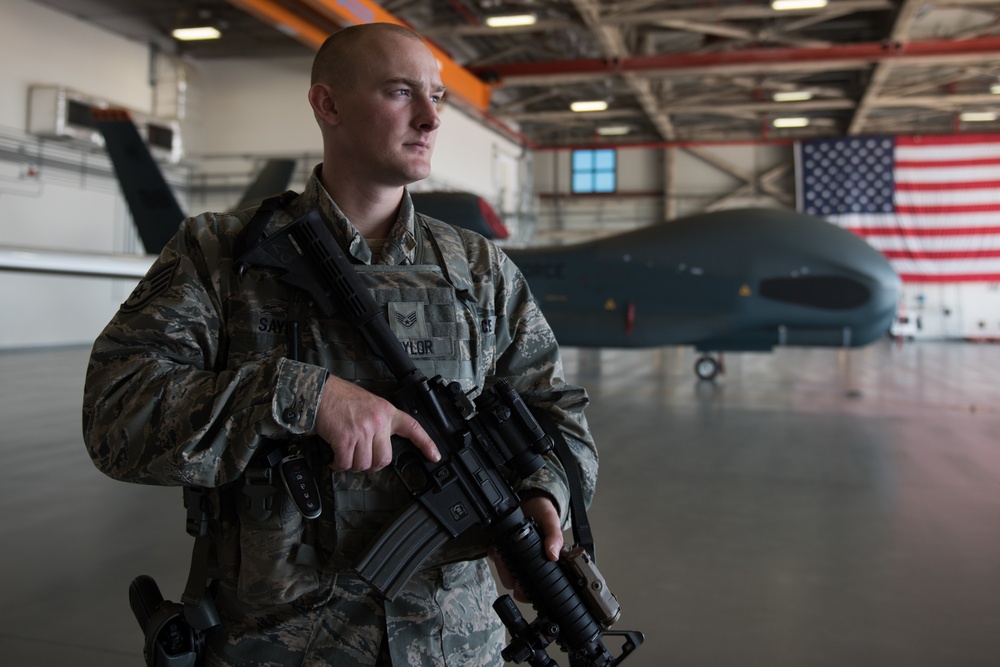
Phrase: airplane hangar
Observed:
(832, 501)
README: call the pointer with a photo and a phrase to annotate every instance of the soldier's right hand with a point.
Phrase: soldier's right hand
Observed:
(358, 426)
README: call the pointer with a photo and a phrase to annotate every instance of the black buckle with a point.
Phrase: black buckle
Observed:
(196, 501)
(258, 493)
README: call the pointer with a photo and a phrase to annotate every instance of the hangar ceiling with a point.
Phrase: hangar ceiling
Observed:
(670, 71)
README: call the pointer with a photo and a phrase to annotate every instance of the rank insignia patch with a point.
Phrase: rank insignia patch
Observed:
(151, 286)
(407, 320)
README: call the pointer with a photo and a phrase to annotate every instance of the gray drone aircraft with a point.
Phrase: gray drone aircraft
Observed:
(734, 280)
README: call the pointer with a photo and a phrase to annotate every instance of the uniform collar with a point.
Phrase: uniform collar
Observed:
(400, 248)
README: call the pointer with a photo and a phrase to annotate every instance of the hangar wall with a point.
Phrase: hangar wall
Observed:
(968, 311)
(654, 184)
(57, 194)
(53, 195)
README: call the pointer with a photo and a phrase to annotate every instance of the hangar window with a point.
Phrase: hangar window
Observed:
(594, 170)
(830, 292)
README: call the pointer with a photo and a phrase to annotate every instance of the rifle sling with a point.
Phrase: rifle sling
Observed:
(582, 534)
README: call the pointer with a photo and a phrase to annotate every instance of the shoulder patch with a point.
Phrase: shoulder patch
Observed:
(149, 287)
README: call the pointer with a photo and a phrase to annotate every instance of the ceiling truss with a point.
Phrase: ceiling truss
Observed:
(671, 71)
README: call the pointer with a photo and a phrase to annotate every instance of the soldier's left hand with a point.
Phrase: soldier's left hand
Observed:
(543, 511)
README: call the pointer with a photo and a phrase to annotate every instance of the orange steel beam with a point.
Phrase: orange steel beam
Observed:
(284, 20)
(462, 84)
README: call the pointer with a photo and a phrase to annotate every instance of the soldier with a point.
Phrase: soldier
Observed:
(193, 382)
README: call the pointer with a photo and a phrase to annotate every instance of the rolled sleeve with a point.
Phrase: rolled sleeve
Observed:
(297, 391)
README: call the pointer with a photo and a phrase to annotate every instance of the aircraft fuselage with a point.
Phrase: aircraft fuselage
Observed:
(745, 279)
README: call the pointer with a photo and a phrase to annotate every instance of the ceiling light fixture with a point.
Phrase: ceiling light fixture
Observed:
(589, 105)
(193, 34)
(790, 5)
(792, 96)
(978, 116)
(613, 130)
(511, 20)
(791, 122)
(995, 89)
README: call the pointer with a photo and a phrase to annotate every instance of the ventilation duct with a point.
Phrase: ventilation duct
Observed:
(56, 112)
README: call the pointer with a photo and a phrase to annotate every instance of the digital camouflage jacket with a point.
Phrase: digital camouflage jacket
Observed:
(192, 378)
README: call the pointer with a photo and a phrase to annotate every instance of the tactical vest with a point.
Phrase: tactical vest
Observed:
(274, 554)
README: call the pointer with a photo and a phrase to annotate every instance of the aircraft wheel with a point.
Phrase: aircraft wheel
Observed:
(706, 368)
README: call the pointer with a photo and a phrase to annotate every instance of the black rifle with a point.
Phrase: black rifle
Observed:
(467, 488)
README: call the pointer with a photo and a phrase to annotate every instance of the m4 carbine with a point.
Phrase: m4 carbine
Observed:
(479, 442)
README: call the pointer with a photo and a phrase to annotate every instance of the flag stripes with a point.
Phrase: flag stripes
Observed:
(931, 205)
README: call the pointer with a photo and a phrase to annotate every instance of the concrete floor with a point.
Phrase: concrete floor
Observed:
(811, 508)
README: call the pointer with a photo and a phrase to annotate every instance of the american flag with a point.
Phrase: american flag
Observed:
(931, 205)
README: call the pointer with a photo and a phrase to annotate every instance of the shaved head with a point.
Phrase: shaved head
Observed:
(339, 57)
(376, 95)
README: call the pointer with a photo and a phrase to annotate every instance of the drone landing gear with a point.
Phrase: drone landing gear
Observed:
(707, 367)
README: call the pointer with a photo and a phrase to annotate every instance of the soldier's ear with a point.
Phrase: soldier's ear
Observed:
(323, 104)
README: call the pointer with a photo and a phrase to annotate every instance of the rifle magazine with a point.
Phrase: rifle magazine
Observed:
(392, 557)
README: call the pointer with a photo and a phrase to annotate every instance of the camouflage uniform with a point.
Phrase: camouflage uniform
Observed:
(191, 379)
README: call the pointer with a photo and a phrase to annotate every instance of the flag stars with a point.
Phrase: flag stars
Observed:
(848, 176)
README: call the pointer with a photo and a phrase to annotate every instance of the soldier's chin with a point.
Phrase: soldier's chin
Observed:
(419, 173)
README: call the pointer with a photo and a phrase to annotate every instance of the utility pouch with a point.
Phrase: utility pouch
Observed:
(268, 571)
